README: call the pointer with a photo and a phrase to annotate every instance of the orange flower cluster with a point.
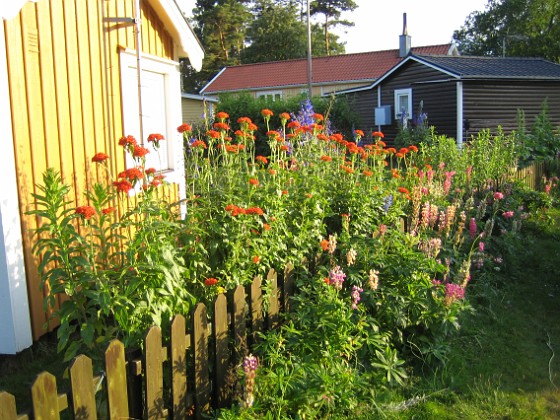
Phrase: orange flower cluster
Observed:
(184, 128)
(222, 115)
(139, 151)
(211, 281)
(267, 113)
(132, 174)
(262, 160)
(123, 186)
(155, 137)
(99, 157)
(221, 126)
(236, 210)
(86, 211)
(198, 144)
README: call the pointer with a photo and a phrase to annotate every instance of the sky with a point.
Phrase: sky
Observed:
(378, 23)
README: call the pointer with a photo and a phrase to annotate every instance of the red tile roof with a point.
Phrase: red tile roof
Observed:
(367, 67)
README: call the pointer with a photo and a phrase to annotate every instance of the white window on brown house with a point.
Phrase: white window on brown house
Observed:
(403, 103)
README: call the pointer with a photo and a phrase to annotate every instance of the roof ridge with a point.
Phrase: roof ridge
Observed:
(337, 55)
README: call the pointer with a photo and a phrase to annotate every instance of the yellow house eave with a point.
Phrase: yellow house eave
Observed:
(175, 22)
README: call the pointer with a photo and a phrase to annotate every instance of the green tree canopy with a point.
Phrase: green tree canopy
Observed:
(277, 33)
(332, 11)
(524, 28)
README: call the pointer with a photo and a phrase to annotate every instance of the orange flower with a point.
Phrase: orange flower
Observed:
(403, 150)
(308, 195)
(284, 148)
(294, 124)
(198, 143)
(318, 117)
(140, 151)
(213, 133)
(326, 158)
(184, 128)
(262, 160)
(150, 171)
(128, 140)
(244, 120)
(403, 190)
(413, 148)
(123, 186)
(359, 133)
(156, 137)
(99, 157)
(367, 173)
(221, 126)
(378, 134)
(85, 211)
(272, 172)
(324, 244)
(273, 134)
(256, 259)
(267, 113)
(284, 192)
(222, 115)
(254, 181)
(108, 210)
(266, 226)
(211, 281)
(254, 210)
(284, 116)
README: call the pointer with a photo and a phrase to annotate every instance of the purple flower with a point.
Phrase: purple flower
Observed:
(453, 292)
(508, 214)
(355, 293)
(472, 227)
(337, 276)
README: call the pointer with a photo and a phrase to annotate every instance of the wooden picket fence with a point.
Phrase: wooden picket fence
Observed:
(531, 175)
(195, 373)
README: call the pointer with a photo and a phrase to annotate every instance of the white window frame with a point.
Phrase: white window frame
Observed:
(400, 93)
(172, 90)
(270, 94)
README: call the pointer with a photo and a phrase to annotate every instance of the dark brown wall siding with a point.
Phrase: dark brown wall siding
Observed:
(485, 104)
(489, 105)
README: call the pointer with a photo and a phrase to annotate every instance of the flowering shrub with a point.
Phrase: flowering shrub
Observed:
(386, 242)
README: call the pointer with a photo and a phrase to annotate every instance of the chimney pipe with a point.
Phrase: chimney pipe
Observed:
(404, 40)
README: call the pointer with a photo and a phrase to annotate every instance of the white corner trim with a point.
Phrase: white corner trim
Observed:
(15, 322)
(9, 9)
(460, 115)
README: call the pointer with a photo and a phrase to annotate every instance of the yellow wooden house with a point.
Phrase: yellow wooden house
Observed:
(75, 76)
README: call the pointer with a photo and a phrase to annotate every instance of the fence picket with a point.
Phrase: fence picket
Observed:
(257, 319)
(179, 366)
(83, 395)
(289, 286)
(201, 375)
(115, 367)
(8, 409)
(221, 354)
(239, 325)
(45, 397)
(129, 396)
(153, 373)
(273, 300)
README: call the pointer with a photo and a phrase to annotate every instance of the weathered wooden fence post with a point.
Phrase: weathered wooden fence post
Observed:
(179, 366)
(115, 367)
(200, 350)
(273, 299)
(221, 352)
(45, 397)
(257, 319)
(83, 394)
(153, 375)
(8, 409)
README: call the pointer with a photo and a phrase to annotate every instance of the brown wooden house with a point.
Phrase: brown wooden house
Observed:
(73, 74)
(460, 95)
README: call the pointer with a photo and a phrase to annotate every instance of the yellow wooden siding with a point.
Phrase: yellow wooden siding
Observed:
(65, 93)
(193, 110)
